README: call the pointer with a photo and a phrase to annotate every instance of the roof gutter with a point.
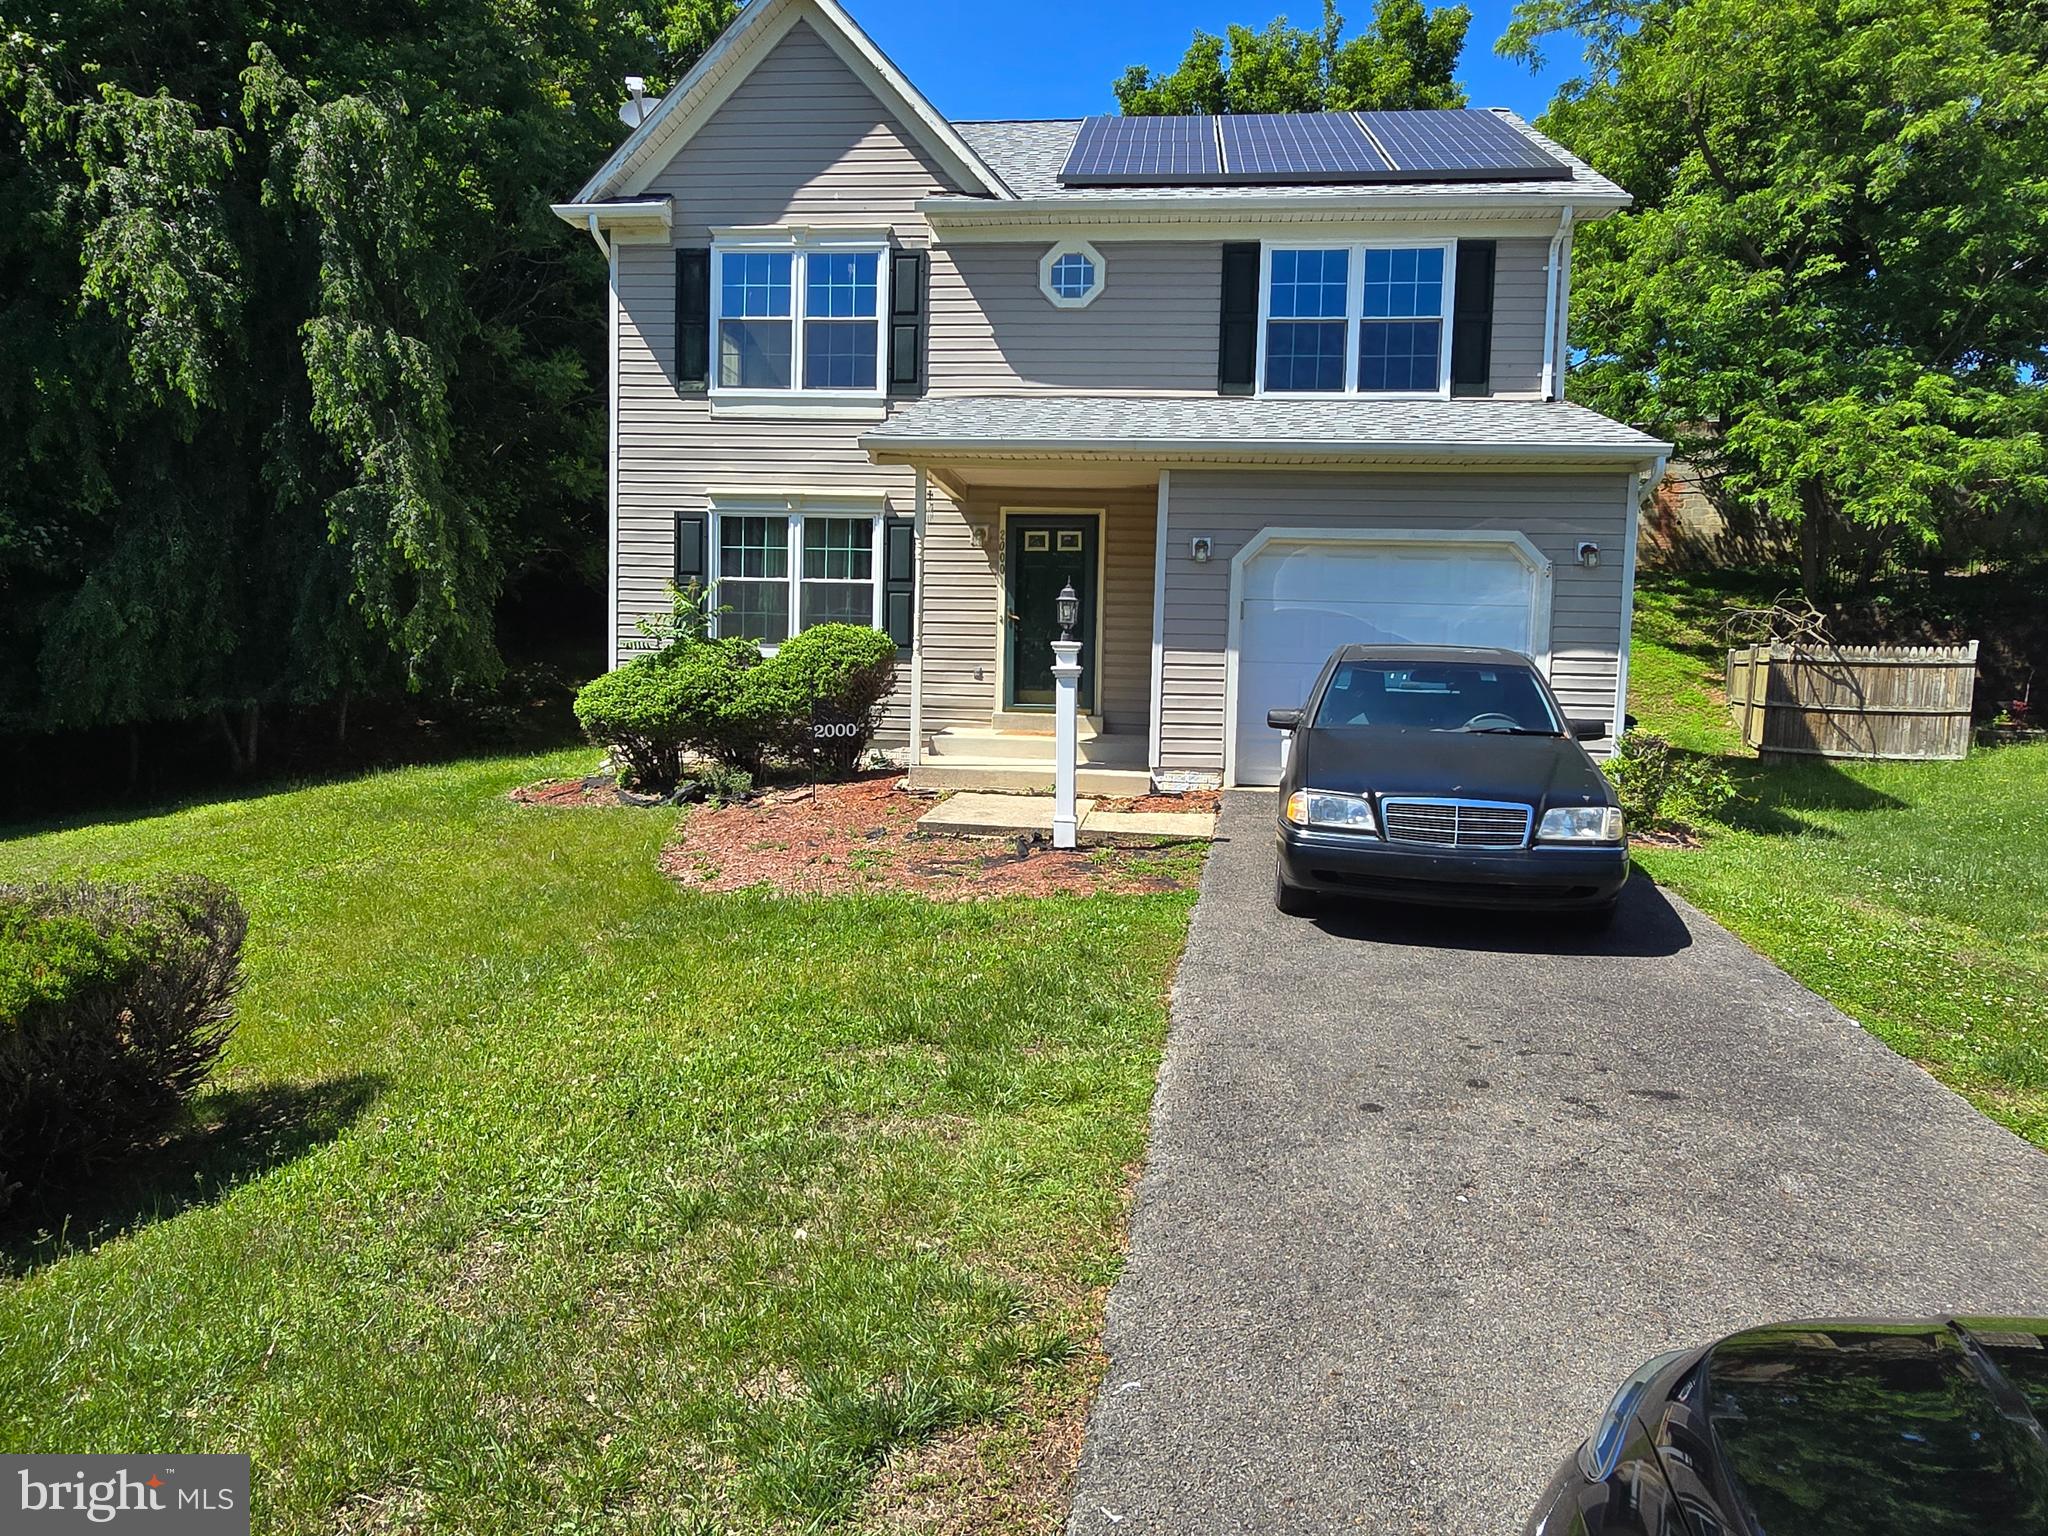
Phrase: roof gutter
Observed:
(893, 448)
(970, 211)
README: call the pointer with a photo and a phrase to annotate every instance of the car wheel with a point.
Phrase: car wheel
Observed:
(1292, 900)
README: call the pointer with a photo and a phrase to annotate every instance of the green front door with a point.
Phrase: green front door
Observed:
(1045, 553)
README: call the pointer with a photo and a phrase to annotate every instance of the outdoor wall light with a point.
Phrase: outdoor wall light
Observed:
(1589, 556)
(1067, 607)
(1201, 549)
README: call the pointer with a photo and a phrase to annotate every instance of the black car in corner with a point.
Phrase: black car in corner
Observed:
(1926, 1428)
(1446, 775)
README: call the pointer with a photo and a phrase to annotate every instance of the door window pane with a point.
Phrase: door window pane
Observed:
(1306, 310)
(839, 319)
(754, 319)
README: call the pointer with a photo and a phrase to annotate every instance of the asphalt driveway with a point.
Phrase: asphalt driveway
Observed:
(1420, 1193)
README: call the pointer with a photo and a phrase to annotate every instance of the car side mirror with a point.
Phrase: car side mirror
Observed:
(1284, 719)
(1588, 730)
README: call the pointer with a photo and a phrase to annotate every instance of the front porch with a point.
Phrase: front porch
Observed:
(992, 555)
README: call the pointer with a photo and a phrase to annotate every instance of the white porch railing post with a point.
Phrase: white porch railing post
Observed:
(1066, 684)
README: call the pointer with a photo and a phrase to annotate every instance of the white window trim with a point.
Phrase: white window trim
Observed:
(1072, 248)
(795, 508)
(1354, 306)
(799, 244)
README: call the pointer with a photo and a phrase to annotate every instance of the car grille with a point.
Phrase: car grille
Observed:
(1456, 823)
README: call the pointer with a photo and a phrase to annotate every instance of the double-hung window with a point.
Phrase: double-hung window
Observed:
(1357, 319)
(783, 571)
(799, 316)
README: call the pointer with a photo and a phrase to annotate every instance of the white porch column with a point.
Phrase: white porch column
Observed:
(923, 496)
(1066, 684)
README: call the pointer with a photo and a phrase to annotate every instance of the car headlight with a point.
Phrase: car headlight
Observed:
(1327, 808)
(1581, 824)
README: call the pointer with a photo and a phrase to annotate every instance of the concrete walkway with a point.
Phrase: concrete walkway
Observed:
(968, 813)
(1421, 1192)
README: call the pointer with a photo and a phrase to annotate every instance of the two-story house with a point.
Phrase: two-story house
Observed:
(1253, 386)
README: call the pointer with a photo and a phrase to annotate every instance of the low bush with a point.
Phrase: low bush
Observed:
(818, 699)
(684, 698)
(815, 703)
(1665, 789)
(115, 1002)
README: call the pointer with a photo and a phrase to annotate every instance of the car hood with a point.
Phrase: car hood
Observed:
(1885, 1429)
(1540, 770)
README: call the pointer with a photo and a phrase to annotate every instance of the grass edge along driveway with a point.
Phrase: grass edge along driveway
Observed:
(547, 1196)
(1913, 896)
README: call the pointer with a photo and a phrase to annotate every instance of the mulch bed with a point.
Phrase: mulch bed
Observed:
(859, 836)
(1194, 800)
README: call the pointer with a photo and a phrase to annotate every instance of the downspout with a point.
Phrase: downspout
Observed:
(604, 246)
(1550, 290)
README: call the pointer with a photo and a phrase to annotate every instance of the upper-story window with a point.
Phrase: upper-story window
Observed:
(798, 316)
(1364, 319)
(1071, 274)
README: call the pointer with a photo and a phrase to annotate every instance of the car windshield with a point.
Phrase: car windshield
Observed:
(1438, 696)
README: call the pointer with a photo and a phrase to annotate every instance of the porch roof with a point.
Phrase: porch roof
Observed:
(966, 430)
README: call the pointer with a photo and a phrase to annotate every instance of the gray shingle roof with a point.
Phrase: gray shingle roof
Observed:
(1234, 429)
(1028, 156)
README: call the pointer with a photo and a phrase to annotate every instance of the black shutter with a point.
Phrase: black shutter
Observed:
(1472, 320)
(690, 549)
(693, 321)
(1237, 345)
(899, 580)
(907, 271)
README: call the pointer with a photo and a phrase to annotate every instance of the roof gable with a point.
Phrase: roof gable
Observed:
(750, 39)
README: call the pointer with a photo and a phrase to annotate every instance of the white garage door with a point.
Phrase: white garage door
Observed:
(1301, 601)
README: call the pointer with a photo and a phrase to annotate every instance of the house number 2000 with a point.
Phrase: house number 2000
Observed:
(825, 730)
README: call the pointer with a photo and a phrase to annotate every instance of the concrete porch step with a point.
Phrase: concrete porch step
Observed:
(1020, 776)
(987, 745)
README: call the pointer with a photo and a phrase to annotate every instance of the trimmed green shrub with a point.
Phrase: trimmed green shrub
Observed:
(1664, 789)
(115, 1002)
(815, 703)
(652, 710)
(819, 698)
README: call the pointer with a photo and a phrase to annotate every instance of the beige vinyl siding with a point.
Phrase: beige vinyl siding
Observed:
(801, 140)
(1554, 511)
(1520, 280)
(1152, 330)
(963, 616)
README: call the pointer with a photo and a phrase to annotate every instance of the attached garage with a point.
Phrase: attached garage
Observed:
(1300, 593)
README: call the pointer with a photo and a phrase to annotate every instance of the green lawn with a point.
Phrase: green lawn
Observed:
(1912, 895)
(543, 1196)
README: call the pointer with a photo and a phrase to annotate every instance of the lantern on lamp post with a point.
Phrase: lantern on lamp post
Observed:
(1066, 680)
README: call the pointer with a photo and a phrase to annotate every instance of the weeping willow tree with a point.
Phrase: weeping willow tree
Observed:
(296, 369)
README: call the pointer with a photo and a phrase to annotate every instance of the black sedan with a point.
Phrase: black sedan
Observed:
(1822, 1429)
(1444, 775)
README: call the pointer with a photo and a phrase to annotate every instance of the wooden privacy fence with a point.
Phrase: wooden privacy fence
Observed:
(1854, 700)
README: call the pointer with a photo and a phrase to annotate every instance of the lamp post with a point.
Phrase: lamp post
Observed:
(1066, 683)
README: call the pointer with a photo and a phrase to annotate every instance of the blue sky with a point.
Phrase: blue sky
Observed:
(1026, 58)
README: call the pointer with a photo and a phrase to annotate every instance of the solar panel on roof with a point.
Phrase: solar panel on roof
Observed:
(1128, 151)
(1458, 143)
(1282, 148)
(1298, 146)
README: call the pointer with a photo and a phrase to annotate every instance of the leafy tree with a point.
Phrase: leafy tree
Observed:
(1831, 290)
(297, 371)
(1404, 58)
